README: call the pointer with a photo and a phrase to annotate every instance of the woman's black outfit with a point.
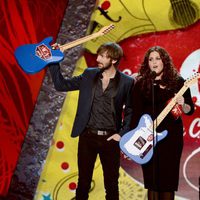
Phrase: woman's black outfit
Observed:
(161, 173)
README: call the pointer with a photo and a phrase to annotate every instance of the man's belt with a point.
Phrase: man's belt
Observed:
(100, 132)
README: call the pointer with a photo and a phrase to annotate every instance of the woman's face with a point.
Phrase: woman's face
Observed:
(155, 63)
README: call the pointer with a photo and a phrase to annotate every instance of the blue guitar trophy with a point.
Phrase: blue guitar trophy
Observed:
(32, 58)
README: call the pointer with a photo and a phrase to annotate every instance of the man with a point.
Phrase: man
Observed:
(103, 92)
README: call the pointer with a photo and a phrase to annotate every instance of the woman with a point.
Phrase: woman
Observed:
(157, 82)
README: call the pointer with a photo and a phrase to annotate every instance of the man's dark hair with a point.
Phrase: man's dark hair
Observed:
(113, 50)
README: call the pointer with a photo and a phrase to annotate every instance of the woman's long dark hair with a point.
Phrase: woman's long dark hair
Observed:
(170, 74)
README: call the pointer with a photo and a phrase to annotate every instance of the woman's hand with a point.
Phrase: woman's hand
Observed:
(180, 100)
(185, 107)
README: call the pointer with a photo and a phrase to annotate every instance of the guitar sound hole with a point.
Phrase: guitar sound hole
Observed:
(183, 12)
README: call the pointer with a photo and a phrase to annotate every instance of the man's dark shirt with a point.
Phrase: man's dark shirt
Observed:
(102, 117)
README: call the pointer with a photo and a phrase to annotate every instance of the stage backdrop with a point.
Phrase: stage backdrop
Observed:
(138, 26)
(22, 22)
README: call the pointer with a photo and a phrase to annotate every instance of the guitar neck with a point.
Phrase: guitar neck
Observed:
(79, 41)
(168, 108)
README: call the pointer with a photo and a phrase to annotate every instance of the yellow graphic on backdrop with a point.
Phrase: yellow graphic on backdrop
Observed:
(136, 17)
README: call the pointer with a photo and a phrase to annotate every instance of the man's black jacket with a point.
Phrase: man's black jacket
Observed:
(86, 83)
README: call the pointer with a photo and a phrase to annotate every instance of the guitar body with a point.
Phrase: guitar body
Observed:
(138, 143)
(34, 57)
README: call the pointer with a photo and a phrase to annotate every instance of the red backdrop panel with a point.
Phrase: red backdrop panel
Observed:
(21, 22)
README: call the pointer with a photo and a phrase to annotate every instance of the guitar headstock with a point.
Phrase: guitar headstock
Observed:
(106, 29)
(192, 79)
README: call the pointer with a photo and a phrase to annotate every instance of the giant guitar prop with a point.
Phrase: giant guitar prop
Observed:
(34, 57)
(138, 144)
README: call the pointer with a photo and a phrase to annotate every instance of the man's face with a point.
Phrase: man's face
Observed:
(104, 62)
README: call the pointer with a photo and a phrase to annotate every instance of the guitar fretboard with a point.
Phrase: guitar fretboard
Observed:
(103, 31)
(171, 104)
(78, 41)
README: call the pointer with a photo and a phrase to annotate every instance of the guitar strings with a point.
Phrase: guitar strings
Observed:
(184, 13)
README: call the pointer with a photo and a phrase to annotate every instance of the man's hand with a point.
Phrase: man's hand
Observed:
(115, 137)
